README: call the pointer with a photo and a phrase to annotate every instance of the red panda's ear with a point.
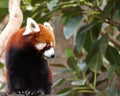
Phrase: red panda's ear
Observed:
(48, 25)
(31, 27)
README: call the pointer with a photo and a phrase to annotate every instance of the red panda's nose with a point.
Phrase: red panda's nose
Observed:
(49, 53)
(52, 56)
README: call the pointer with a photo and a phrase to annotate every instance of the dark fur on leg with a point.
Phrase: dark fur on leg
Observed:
(27, 74)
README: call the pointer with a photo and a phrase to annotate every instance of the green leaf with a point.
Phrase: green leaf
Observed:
(112, 55)
(27, 1)
(95, 30)
(63, 90)
(103, 43)
(108, 8)
(72, 63)
(46, 16)
(99, 2)
(118, 70)
(81, 35)
(80, 39)
(85, 87)
(33, 2)
(95, 63)
(4, 11)
(116, 14)
(82, 66)
(72, 26)
(58, 82)
(111, 92)
(62, 71)
(93, 52)
(69, 93)
(97, 49)
(69, 53)
(3, 7)
(87, 27)
(69, 8)
(78, 82)
(51, 4)
(1, 65)
(88, 42)
(94, 58)
(58, 65)
(118, 37)
(3, 4)
(92, 36)
(111, 71)
(2, 86)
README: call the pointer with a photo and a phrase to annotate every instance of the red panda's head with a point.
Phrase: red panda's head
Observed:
(42, 37)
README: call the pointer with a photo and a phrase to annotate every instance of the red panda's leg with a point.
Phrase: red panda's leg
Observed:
(50, 80)
(50, 75)
(15, 83)
(6, 80)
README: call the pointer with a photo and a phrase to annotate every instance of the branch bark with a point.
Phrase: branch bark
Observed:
(14, 23)
(112, 39)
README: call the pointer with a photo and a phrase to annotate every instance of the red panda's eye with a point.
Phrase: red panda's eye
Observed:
(48, 45)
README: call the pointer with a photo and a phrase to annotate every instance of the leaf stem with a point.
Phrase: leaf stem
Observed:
(95, 76)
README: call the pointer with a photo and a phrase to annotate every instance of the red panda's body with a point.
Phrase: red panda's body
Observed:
(27, 71)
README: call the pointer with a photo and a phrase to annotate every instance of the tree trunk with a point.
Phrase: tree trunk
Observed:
(15, 21)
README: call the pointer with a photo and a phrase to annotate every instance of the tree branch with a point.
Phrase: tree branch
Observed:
(15, 21)
(112, 39)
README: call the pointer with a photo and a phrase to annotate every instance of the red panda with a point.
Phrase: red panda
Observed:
(27, 69)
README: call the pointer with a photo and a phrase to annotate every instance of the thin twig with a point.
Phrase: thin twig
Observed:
(112, 39)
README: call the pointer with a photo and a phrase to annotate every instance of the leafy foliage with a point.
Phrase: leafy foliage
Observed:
(95, 25)
(72, 26)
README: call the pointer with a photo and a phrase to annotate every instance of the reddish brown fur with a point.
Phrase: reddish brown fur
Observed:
(44, 36)
(18, 40)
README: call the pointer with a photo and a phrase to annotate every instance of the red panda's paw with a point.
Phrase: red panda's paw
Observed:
(29, 93)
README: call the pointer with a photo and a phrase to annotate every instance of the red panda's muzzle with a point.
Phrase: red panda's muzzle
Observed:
(49, 53)
(46, 49)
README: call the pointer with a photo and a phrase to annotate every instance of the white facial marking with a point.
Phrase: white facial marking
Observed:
(51, 43)
(31, 27)
(40, 46)
(48, 25)
(49, 53)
